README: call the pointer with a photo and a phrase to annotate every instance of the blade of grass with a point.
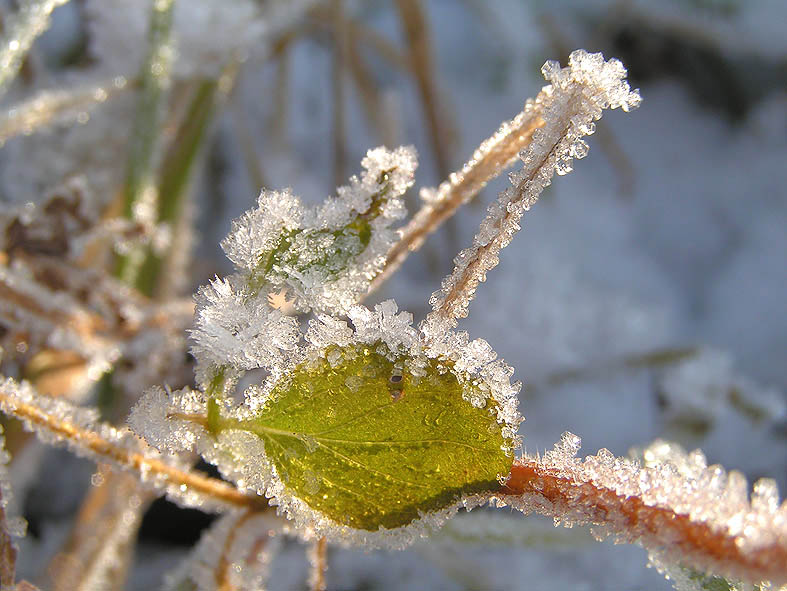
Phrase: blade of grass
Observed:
(140, 195)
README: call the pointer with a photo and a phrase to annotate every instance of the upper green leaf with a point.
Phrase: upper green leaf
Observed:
(369, 444)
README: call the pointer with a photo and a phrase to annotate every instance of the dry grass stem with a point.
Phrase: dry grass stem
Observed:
(134, 461)
(99, 548)
(419, 51)
(318, 558)
(493, 156)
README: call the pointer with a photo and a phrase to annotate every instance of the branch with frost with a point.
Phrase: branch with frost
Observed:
(682, 511)
(58, 422)
(568, 106)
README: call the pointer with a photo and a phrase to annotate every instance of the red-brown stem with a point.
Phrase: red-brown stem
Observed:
(653, 527)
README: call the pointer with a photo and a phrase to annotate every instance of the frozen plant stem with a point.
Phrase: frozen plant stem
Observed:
(703, 520)
(493, 156)
(568, 107)
(20, 30)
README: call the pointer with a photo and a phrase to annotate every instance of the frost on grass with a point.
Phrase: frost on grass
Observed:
(684, 512)
(569, 106)
(325, 255)
(369, 434)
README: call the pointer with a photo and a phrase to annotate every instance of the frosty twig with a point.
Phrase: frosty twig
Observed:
(568, 107)
(675, 506)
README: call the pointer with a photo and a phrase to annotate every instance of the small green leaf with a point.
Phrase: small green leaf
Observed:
(331, 250)
(368, 444)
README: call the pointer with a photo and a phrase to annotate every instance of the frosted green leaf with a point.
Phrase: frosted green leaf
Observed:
(367, 443)
(325, 255)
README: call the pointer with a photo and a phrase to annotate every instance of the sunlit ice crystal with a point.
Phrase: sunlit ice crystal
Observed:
(233, 328)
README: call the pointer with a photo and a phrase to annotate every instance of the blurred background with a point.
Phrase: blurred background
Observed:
(644, 296)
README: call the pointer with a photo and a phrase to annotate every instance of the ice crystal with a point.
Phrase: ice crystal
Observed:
(154, 417)
(233, 328)
(568, 106)
(326, 255)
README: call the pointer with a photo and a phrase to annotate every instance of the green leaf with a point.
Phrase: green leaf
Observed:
(368, 444)
(331, 250)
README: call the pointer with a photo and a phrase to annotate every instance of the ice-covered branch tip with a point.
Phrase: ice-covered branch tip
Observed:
(682, 511)
(568, 107)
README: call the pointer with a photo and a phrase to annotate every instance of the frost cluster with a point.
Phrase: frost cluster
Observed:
(231, 327)
(664, 476)
(154, 417)
(326, 255)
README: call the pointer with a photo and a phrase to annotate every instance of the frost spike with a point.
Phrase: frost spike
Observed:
(569, 106)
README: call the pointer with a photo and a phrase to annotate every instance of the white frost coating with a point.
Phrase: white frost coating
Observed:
(568, 106)
(325, 267)
(232, 327)
(667, 477)
(237, 550)
(88, 437)
(152, 418)
(258, 229)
